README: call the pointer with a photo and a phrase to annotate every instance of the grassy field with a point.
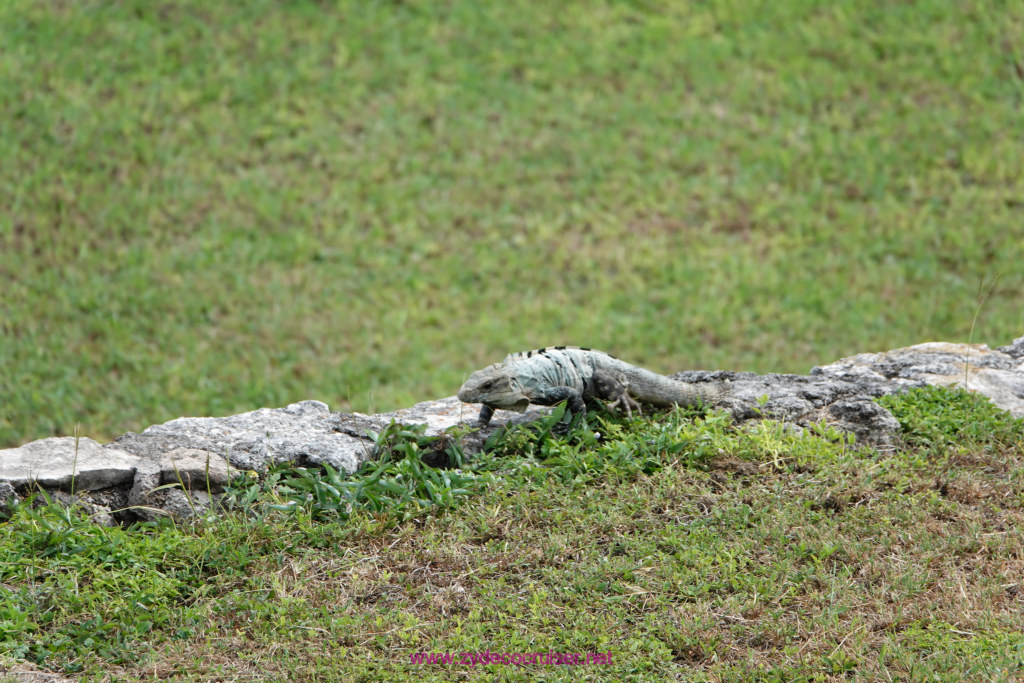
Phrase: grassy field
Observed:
(685, 548)
(211, 207)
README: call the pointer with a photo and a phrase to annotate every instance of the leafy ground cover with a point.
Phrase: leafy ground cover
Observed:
(210, 207)
(684, 547)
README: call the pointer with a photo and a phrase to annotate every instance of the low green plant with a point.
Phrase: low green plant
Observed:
(77, 581)
(624, 449)
(939, 417)
(665, 539)
(397, 483)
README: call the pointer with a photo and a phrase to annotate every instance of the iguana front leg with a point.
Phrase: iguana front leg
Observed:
(549, 397)
(486, 413)
(555, 395)
(613, 387)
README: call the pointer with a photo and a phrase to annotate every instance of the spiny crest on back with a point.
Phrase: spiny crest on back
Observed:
(545, 350)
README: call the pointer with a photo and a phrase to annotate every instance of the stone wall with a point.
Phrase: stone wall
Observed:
(179, 468)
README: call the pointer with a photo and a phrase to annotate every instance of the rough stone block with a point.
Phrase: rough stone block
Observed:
(60, 462)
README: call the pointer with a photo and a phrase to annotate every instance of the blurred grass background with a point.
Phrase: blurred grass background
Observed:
(207, 208)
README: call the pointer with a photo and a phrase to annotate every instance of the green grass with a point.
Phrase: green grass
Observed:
(950, 416)
(210, 207)
(688, 548)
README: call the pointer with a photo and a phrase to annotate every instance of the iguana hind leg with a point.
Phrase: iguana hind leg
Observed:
(613, 387)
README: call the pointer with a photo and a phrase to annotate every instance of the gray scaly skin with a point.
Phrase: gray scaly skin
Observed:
(568, 373)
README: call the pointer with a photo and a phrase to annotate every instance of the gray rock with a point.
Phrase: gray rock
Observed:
(998, 374)
(7, 495)
(173, 468)
(113, 499)
(150, 446)
(250, 454)
(1015, 349)
(151, 497)
(59, 462)
(142, 496)
(196, 469)
(445, 413)
(172, 503)
(306, 433)
(805, 400)
(100, 514)
(865, 419)
(437, 415)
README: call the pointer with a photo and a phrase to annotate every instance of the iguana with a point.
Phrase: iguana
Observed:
(568, 373)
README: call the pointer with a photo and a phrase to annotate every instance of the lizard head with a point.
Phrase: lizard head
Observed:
(495, 388)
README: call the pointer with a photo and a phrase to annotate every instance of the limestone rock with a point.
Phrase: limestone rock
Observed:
(7, 495)
(196, 469)
(147, 478)
(805, 400)
(1014, 349)
(173, 502)
(114, 500)
(173, 468)
(59, 462)
(437, 415)
(150, 446)
(306, 433)
(998, 374)
(447, 412)
(150, 499)
(868, 421)
(100, 514)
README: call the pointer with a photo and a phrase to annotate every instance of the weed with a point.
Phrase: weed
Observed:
(397, 483)
(937, 417)
(984, 292)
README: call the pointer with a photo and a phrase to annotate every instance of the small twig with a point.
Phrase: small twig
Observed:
(74, 465)
(859, 628)
(962, 633)
(313, 628)
(984, 292)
